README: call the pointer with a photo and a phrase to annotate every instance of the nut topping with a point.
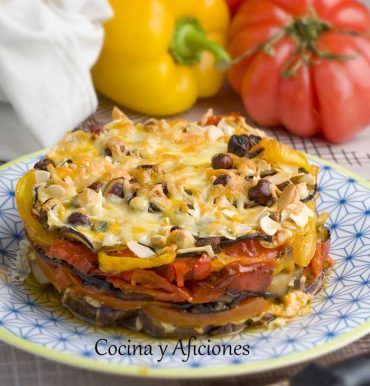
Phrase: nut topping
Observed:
(140, 250)
(139, 203)
(289, 196)
(182, 238)
(41, 176)
(261, 193)
(222, 161)
(269, 226)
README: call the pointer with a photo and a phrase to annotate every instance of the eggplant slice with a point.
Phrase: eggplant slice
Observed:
(138, 320)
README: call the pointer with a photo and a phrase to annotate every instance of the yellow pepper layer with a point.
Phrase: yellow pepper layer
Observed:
(24, 201)
(145, 42)
(304, 245)
(111, 263)
(304, 242)
(273, 151)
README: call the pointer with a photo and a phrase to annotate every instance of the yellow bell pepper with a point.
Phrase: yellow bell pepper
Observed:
(304, 245)
(276, 152)
(304, 242)
(159, 56)
(111, 263)
(24, 201)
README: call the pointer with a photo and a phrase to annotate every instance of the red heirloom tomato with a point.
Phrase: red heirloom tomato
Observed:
(234, 5)
(306, 65)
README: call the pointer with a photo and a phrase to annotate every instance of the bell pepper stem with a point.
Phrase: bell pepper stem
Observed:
(189, 41)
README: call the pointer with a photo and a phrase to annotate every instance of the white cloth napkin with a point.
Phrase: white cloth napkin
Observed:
(47, 48)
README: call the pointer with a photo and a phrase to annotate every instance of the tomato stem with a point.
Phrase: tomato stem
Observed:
(305, 32)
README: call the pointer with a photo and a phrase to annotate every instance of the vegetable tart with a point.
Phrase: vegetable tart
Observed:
(176, 228)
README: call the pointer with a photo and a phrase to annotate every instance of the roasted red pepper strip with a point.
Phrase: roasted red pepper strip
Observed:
(188, 269)
(149, 283)
(321, 259)
(249, 248)
(75, 254)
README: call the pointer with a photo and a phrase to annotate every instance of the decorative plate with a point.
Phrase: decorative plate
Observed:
(33, 320)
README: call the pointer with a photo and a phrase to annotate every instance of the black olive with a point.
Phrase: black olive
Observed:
(78, 219)
(222, 180)
(188, 192)
(261, 193)
(175, 228)
(96, 186)
(241, 144)
(43, 164)
(222, 161)
(117, 190)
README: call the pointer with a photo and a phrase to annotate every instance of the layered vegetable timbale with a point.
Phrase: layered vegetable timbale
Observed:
(176, 228)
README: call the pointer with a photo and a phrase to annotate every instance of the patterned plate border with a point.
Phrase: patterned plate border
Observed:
(176, 373)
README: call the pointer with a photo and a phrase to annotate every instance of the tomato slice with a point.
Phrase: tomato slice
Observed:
(73, 253)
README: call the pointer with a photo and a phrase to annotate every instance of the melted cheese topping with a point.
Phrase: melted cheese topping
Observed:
(166, 176)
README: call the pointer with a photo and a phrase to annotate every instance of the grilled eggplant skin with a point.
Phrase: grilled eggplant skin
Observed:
(138, 320)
